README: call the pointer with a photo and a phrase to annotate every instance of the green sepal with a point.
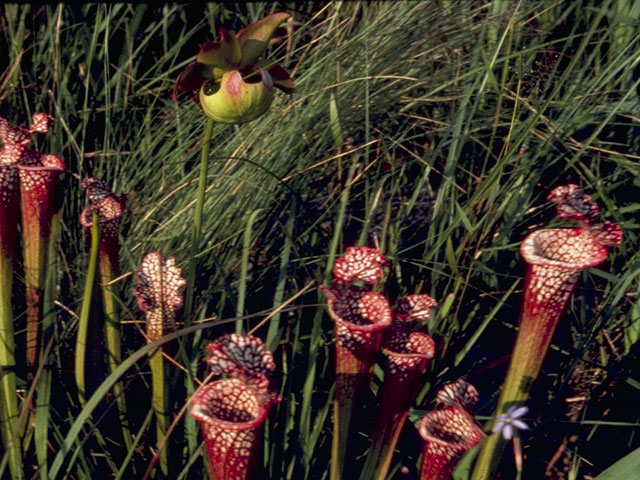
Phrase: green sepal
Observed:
(254, 39)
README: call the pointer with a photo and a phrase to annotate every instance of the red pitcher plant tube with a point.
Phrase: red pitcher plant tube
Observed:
(109, 209)
(14, 142)
(39, 174)
(555, 258)
(232, 410)
(13, 156)
(407, 353)
(447, 434)
(158, 293)
(360, 317)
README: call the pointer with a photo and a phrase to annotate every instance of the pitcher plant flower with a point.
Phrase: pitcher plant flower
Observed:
(15, 141)
(447, 434)
(360, 317)
(232, 410)
(109, 209)
(407, 353)
(555, 258)
(235, 85)
(158, 294)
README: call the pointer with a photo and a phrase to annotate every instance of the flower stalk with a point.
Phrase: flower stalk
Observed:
(158, 295)
(555, 258)
(197, 222)
(234, 85)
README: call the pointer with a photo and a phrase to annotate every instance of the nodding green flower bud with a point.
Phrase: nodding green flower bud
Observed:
(235, 84)
(237, 98)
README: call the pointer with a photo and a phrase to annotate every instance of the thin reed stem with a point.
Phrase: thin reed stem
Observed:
(48, 323)
(83, 322)
(8, 399)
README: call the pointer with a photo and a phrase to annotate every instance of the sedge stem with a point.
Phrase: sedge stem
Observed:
(83, 322)
(112, 333)
(8, 397)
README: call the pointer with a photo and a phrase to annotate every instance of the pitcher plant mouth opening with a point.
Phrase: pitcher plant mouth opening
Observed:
(232, 410)
(555, 258)
(232, 415)
(447, 434)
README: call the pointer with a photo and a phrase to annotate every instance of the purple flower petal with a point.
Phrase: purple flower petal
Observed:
(507, 431)
(519, 424)
(518, 412)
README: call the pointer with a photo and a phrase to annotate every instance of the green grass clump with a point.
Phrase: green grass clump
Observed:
(434, 129)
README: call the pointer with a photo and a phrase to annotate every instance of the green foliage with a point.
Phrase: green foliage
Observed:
(435, 129)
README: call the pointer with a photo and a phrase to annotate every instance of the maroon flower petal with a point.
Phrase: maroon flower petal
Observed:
(232, 416)
(415, 308)
(242, 355)
(192, 78)
(280, 77)
(359, 263)
(158, 294)
(459, 393)
(447, 434)
(573, 203)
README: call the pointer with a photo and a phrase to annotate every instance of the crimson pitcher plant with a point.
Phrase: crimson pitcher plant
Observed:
(555, 258)
(15, 141)
(450, 431)
(158, 293)
(109, 209)
(232, 410)
(407, 352)
(39, 174)
(447, 434)
(360, 317)
(15, 153)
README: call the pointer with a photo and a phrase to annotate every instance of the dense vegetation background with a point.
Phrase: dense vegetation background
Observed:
(433, 129)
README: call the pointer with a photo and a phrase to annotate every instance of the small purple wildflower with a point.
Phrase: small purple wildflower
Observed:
(509, 422)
